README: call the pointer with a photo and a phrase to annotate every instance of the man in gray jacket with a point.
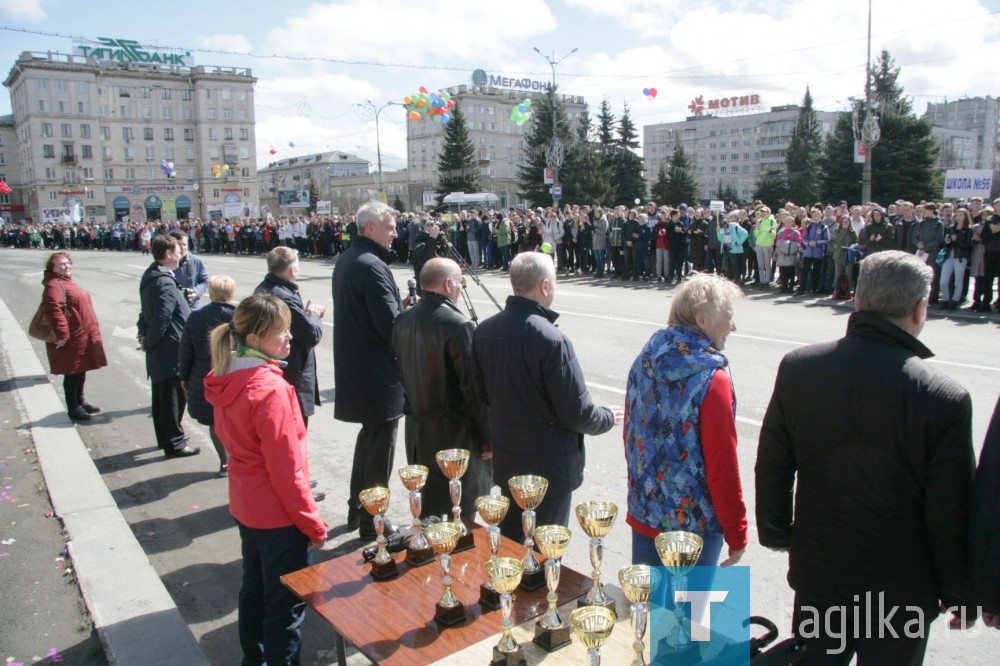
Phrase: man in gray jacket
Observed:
(926, 236)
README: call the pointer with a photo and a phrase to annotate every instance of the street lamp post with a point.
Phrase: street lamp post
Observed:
(554, 155)
(371, 108)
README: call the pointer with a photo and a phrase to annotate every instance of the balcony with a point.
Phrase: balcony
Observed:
(69, 159)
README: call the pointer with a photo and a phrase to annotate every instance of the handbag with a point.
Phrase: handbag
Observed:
(41, 327)
(941, 255)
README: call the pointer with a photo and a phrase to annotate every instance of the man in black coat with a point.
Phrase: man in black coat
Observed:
(526, 371)
(433, 343)
(307, 326)
(985, 529)
(163, 312)
(878, 446)
(369, 387)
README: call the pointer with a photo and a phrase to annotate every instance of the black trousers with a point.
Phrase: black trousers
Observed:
(373, 455)
(73, 388)
(169, 402)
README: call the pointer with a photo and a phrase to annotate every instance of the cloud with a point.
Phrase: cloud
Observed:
(27, 10)
(223, 42)
(395, 30)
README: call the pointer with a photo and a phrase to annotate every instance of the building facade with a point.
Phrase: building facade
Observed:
(95, 138)
(282, 183)
(12, 203)
(968, 132)
(728, 151)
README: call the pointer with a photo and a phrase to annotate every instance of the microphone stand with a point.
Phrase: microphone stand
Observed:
(471, 272)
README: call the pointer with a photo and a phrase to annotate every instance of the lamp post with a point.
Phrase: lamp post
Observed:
(870, 132)
(556, 152)
(373, 110)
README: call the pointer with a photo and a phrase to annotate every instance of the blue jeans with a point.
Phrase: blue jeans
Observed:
(270, 616)
(700, 578)
(599, 260)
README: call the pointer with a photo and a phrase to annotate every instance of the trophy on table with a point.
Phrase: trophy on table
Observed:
(505, 576)
(492, 509)
(443, 537)
(551, 632)
(679, 552)
(638, 581)
(453, 463)
(376, 501)
(418, 551)
(593, 624)
(596, 518)
(528, 492)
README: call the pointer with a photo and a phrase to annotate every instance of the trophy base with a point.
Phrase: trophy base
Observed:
(449, 616)
(515, 658)
(687, 655)
(489, 598)
(465, 542)
(384, 571)
(418, 558)
(532, 581)
(551, 640)
(609, 604)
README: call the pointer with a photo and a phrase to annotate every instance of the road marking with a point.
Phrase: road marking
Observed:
(621, 391)
(124, 275)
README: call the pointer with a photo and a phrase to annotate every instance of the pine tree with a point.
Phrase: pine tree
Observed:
(803, 156)
(585, 177)
(772, 189)
(659, 191)
(458, 169)
(681, 186)
(628, 167)
(728, 194)
(531, 172)
(606, 125)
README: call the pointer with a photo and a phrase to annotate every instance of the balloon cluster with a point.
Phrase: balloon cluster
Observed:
(521, 113)
(218, 170)
(434, 105)
(650, 93)
(168, 169)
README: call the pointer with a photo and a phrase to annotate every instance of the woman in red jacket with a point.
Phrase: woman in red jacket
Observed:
(78, 346)
(258, 419)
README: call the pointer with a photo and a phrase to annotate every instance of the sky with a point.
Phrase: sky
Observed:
(322, 67)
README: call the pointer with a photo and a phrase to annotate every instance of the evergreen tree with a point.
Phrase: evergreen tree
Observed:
(658, 191)
(628, 166)
(585, 177)
(458, 168)
(537, 139)
(606, 125)
(681, 186)
(772, 189)
(728, 194)
(803, 156)
(398, 204)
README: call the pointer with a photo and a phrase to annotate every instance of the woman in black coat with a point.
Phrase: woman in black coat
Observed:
(196, 356)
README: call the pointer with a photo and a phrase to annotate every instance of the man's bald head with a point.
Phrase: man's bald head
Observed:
(442, 276)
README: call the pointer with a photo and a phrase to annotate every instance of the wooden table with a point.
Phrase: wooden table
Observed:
(392, 622)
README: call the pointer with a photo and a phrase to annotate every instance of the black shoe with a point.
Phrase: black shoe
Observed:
(91, 409)
(185, 452)
(353, 517)
(79, 414)
(319, 496)
(312, 484)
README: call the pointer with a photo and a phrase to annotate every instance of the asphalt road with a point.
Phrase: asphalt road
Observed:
(177, 508)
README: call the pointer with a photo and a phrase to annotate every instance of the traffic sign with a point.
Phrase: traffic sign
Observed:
(556, 191)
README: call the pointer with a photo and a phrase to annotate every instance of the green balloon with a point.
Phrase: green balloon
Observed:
(547, 248)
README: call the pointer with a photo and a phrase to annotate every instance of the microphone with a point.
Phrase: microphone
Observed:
(411, 287)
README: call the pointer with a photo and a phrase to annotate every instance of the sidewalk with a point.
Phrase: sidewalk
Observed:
(134, 617)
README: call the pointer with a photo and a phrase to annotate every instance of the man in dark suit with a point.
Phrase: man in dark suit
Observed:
(877, 444)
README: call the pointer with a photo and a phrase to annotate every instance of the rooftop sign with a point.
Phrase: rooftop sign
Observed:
(480, 77)
(735, 104)
(128, 50)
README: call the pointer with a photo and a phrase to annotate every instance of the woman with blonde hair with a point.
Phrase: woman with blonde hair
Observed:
(259, 420)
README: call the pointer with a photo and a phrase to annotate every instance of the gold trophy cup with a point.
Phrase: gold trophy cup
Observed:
(376, 501)
(492, 509)
(418, 551)
(453, 464)
(593, 624)
(638, 581)
(505, 576)
(443, 537)
(551, 632)
(679, 552)
(528, 492)
(596, 519)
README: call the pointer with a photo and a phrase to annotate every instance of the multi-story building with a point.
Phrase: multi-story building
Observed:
(728, 151)
(11, 204)
(499, 141)
(281, 182)
(968, 131)
(94, 131)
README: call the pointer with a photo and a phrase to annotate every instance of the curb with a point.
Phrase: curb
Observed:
(134, 615)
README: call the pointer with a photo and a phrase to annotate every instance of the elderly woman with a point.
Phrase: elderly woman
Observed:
(196, 357)
(680, 429)
(78, 346)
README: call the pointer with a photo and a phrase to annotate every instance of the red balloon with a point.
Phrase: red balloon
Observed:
(422, 89)
(451, 104)
(652, 92)
(273, 151)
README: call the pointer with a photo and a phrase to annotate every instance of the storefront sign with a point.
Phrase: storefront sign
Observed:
(723, 105)
(481, 78)
(149, 189)
(129, 50)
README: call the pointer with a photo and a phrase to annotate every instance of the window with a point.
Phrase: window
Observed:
(88, 173)
(188, 113)
(43, 106)
(227, 133)
(209, 94)
(102, 110)
(242, 115)
(165, 93)
(62, 106)
(147, 113)
(245, 172)
(227, 94)
(189, 153)
(168, 134)
(215, 192)
(109, 174)
(129, 154)
(722, 169)
(84, 131)
(127, 133)
(186, 95)
(66, 130)
(50, 174)
(150, 154)
(168, 153)
(105, 133)
(82, 87)
(244, 134)
(48, 150)
(106, 152)
(52, 195)
(90, 194)
(87, 150)
(42, 84)
(227, 114)
(188, 134)
(168, 113)
(123, 111)
(147, 133)
(211, 114)
(241, 95)
(144, 92)
(213, 134)
(130, 174)
(150, 174)
(46, 130)
(735, 156)
(123, 91)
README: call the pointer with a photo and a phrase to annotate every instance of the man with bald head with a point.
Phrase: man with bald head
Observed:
(526, 371)
(433, 344)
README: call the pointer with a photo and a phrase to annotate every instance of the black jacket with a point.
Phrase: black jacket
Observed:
(985, 523)
(163, 311)
(878, 446)
(433, 343)
(961, 247)
(196, 356)
(365, 304)
(527, 373)
(867, 238)
(307, 331)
